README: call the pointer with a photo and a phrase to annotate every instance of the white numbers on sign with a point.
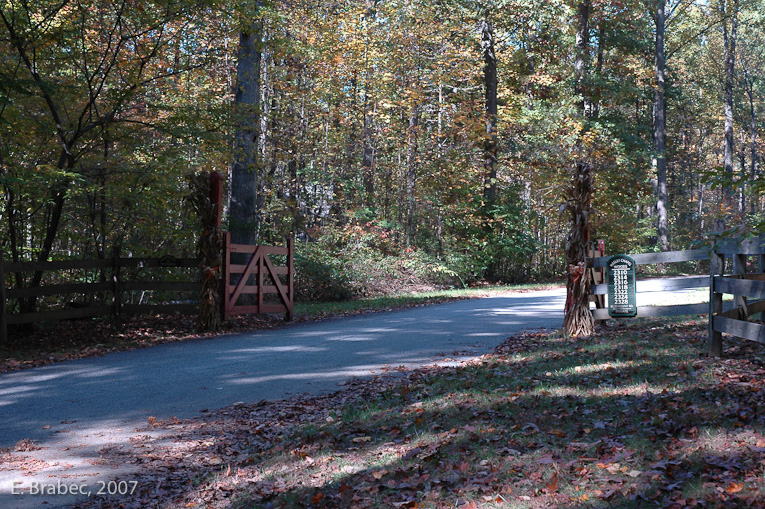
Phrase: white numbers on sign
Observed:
(621, 288)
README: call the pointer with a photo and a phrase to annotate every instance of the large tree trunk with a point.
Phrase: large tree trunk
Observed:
(490, 85)
(246, 179)
(660, 129)
(578, 319)
(729, 40)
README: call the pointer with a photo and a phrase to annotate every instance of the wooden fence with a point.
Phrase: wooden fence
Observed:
(113, 285)
(659, 284)
(730, 318)
(742, 285)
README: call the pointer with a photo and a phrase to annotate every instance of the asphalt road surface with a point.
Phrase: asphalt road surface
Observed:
(74, 409)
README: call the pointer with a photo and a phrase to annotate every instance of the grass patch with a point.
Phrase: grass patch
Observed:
(635, 416)
(311, 310)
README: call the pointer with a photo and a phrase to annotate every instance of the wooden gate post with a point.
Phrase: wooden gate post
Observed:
(226, 279)
(716, 268)
(116, 288)
(290, 280)
(261, 270)
(739, 269)
(3, 308)
(761, 260)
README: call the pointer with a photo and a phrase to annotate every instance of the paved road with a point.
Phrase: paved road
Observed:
(73, 409)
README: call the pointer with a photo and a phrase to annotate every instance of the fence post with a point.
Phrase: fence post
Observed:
(3, 308)
(261, 267)
(761, 260)
(739, 269)
(116, 287)
(716, 267)
(226, 279)
(290, 279)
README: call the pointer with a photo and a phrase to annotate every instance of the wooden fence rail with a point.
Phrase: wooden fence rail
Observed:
(113, 285)
(660, 284)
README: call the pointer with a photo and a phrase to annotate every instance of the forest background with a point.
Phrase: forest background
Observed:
(419, 142)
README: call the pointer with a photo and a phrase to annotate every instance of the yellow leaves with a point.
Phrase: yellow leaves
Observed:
(542, 79)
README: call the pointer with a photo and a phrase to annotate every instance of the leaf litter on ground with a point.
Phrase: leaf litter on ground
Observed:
(636, 415)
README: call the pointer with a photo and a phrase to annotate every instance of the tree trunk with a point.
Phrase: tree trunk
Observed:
(581, 64)
(367, 158)
(368, 153)
(752, 134)
(660, 129)
(410, 178)
(700, 209)
(753, 150)
(490, 85)
(246, 179)
(600, 59)
(578, 319)
(729, 40)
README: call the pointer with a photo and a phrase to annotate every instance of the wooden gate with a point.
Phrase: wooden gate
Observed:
(266, 280)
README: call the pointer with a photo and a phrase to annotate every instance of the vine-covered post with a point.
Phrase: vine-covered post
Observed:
(206, 201)
(578, 319)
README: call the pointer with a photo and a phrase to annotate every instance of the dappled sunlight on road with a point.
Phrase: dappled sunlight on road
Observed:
(75, 457)
(75, 409)
(276, 349)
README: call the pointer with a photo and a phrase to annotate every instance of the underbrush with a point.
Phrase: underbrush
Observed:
(369, 260)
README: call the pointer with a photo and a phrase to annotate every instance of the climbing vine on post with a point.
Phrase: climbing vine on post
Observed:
(578, 319)
(205, 201)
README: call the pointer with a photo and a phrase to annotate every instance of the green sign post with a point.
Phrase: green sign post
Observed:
(622, 300)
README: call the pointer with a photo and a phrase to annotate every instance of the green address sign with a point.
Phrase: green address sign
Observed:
(622, 300)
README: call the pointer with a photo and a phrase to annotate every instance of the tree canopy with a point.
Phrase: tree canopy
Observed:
(445, 128)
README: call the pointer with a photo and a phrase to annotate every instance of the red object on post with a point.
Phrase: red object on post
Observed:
(216, 195)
